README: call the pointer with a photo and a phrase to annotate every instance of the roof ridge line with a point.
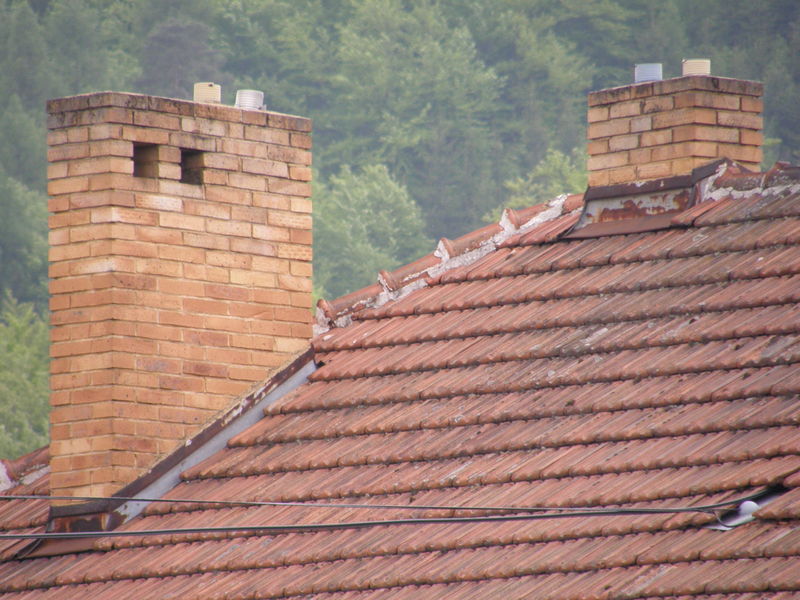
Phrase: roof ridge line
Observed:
(448, 254)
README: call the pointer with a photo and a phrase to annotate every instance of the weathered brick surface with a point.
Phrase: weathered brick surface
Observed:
(658, 129)
(169, 297)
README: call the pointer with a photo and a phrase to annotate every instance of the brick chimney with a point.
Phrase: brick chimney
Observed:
(663, 128)
(180, 269)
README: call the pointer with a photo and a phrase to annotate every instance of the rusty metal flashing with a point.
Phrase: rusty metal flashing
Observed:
(643, 206)
(638, 225)
(104, 515)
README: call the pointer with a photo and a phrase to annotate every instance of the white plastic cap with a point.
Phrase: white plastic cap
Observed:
(696, 66)
(647, 72)
(208, 92)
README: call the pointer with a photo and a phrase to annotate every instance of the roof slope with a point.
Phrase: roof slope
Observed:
(647, 370)
(29, 475)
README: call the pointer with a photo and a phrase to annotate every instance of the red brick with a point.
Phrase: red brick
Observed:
(738, 152)
(707, 100)
(155, 119)
(252, 278)
(749, 137)
(654, 170)
(296, 156)
(224, 194)
(300, 173)
(251, 246)
(181, 221)
(644, 123)
(101, 164)
(270, 264)
(301, 236)
(607, 161)
(205, 369)
(246, 181)
(243, 148)
(608, 128)
(705, 133)
(289, 219)
(265, 135)
(684, 116)
(624, 109)
(751, 104)
(288, 122)
(229, 228)
(597, 146)
(622, 175)
(640, 155)
(597, 113)
(623, 142)
(182, 254)
(655, 138)
(208, 209)
(294, 251)
(68, 185)
(657, 104)
(272, 201)
(68, 152)
(740, 119)
(58, 204)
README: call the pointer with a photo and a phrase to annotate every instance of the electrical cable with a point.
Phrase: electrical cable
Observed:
(365, 505)
(542, 513)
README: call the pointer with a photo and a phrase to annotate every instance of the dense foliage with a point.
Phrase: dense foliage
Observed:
(23, 379)
(428, 114)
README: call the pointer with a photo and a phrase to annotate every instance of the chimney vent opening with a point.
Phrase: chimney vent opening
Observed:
(145, 160)
(647, 72)
(696, 66)
(191, 166)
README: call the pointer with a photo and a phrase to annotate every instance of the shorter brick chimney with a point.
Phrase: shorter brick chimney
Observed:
(180, 273)
(664, 128)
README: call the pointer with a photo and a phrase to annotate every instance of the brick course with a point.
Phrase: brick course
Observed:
(168, 297)
(664, 128)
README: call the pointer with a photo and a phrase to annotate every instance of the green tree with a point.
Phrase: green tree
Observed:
(23, 242)
(178, 53)
(414, 95)
(557, 173)
(363, 222)
(285, 48)
(25, 65)
(24, 391)
(81, 50)
(24, 154)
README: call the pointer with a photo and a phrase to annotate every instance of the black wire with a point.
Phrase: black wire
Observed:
(277, 529)
(552, 513)
(702, 508)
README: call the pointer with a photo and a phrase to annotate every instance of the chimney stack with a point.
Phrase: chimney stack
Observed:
(663, 128)
(180, 269)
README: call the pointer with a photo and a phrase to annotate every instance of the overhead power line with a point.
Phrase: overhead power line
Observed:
(531, 513)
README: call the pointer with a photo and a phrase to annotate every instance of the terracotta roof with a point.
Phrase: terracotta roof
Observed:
(516, 367)
(29, 475)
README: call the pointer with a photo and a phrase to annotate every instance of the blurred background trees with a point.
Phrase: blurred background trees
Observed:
(428, 115)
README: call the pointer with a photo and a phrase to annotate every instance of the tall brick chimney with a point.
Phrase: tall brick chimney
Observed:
(180, 268)
(663, 128)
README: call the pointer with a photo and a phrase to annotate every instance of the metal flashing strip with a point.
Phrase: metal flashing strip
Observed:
(251, 416)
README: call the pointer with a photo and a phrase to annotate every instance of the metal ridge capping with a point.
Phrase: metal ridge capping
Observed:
(449, 254)
(105, 514)
(707, 185)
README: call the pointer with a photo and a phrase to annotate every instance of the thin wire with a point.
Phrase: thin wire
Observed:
(562, 512)
(277, 529)
(701, 508)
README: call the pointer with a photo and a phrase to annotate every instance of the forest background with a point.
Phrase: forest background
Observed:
(429, 115)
